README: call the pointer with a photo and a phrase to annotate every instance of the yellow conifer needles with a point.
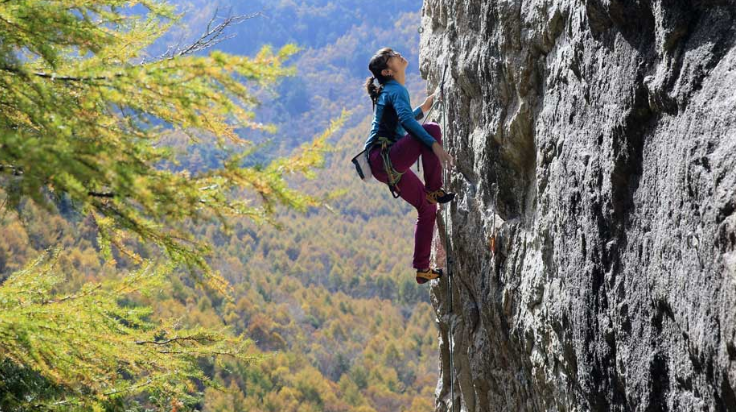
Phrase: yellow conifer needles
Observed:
(85, 117)
(87, 341)
(92, 127)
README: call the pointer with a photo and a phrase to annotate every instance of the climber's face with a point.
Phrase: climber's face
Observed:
(396, 64)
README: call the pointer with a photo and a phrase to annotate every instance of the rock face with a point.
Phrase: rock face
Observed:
(596, 143)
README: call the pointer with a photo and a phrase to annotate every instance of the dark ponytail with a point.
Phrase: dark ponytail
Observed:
(372, 90)
(378, 63)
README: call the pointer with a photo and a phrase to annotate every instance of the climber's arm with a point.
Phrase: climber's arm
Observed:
(407, 117)
(418, 113)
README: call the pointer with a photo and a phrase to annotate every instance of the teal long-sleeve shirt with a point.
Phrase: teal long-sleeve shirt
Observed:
(393, 116)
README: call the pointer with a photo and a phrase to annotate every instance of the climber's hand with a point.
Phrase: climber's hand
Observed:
(444, 157)
(428, 103)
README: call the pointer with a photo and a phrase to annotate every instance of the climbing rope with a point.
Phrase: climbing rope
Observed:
(426, 117)
(448, 256)
(493, 241)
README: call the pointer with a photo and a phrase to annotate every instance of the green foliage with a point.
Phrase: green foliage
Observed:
(154, 157)
(98, 347)
(301, 318)
(85, 129)
(91, 128)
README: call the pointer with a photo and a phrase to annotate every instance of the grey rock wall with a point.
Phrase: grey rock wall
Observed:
(597, 141)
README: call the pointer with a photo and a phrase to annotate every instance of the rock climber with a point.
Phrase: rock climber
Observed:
(393, 118)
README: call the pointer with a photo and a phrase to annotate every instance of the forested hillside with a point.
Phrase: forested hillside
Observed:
(337, 38)
(342, 321)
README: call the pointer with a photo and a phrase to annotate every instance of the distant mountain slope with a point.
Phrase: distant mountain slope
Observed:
(338, 39)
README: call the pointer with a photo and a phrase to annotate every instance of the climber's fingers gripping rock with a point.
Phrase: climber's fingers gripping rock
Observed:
(442, 154)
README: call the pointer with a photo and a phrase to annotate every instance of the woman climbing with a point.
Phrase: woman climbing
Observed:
(393, 151)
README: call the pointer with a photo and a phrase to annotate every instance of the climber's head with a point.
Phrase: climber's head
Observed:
(386, 64)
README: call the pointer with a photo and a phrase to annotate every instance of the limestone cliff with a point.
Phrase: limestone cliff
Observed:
(599, 138)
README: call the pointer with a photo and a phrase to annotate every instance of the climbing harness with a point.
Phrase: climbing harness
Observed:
(393, 176)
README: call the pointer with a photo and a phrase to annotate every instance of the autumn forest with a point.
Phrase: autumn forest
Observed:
(181, 225)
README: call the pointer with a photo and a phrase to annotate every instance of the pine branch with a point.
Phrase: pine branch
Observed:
(15, 171)
(101, 194)
(75, 296)
(176, 339)
(209, 38)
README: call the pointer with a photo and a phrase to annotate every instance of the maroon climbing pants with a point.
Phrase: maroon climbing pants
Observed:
(403, 154)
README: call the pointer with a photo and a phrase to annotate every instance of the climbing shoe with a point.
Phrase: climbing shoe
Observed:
(439, 196)
(428, 274)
